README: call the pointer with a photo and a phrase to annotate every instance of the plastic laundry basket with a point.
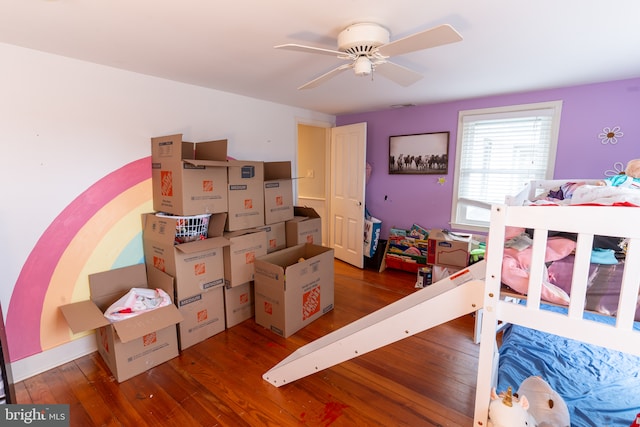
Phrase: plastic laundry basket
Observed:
(189, 228)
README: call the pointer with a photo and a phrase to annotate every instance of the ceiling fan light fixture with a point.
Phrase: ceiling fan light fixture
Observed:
(367, 48)
(362, 66)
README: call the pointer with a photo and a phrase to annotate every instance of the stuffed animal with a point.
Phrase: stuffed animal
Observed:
(535, 404)
(505, 410)
(633, 168)
(545, 404)
(630, 178)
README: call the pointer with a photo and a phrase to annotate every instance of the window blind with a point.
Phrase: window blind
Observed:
(502, 152)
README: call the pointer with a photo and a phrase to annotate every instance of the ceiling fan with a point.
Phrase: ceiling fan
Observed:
(367, 47)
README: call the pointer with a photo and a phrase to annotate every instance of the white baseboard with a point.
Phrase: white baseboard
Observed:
(49, 359)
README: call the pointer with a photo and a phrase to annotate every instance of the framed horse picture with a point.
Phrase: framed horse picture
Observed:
(423, 153)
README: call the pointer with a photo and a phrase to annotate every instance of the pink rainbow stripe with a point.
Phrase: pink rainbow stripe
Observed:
(25, 309)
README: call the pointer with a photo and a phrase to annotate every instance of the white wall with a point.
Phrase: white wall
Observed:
(66, 124)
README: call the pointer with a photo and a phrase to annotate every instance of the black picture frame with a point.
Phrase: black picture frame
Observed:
(422, 153)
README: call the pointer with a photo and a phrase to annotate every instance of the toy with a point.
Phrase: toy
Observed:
(535, 404)
(505, 410)
(633, 168)
(629, 179)
(545, 404)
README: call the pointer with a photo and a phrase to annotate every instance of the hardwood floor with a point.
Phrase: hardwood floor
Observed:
(424, 380)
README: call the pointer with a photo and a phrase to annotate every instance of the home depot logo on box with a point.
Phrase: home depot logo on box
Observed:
(199, 269)
(166, 183)
(268, 307)
(248, 203)
(310, 238)
(279, 201)
(249, 257)
(244, 298)
(149, 339)
(202, 315)
(207, 186)
(310, 303)
(159, 263)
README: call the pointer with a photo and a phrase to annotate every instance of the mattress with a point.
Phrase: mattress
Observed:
(601, 387)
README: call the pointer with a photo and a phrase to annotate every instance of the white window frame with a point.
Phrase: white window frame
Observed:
(459, 220)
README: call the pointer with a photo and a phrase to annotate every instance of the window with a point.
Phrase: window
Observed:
(499, 150)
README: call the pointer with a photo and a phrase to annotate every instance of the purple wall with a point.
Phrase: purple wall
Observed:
(401, 200)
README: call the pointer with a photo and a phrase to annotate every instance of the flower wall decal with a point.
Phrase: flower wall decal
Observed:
(610, 135)
(618, 168)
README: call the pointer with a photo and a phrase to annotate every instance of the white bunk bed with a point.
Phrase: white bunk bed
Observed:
(575, 322)
(481, 287)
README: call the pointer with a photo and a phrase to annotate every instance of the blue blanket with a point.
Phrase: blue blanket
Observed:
(601, 387)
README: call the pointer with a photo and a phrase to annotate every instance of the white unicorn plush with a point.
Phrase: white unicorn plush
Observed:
(505, 410)
(535, 404)
(545, 404)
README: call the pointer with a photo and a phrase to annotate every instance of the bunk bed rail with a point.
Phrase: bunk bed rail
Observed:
(586, 222)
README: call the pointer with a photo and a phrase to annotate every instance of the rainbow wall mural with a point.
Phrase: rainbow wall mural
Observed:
(98, 231)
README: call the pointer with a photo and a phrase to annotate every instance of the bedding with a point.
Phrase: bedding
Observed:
(601, 387)
(592, 360)
(605, 271)
(582, 193)
(606, 261)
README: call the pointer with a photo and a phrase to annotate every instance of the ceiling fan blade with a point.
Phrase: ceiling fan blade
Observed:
(326, 76)
(310, 49)
(436, 36)
(397, 73)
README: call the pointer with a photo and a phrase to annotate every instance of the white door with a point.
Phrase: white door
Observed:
(348, 168)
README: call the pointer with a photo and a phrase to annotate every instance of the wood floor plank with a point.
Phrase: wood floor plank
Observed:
(92, 405)
(424, 380)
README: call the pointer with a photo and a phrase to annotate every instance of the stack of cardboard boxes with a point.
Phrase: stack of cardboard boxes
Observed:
(251, 206)
(245, 209)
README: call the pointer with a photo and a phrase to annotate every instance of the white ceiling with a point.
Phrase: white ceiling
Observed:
(509, 46)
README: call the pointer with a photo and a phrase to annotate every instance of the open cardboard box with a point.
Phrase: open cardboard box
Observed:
(189, 178)
(293, 287)
(196, 266)
(131, 346)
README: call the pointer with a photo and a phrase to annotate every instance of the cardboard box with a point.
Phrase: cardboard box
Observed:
(196, 266)
(239, 257)
(278, 192)
(305, 227)
(128, 347)
(239, 303)
(245, 194)
(291, 293)
(276, 236)
(204, 317)
(448, 249)
(188, 178)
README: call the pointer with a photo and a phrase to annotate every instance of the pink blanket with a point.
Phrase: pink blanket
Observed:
(516, 266)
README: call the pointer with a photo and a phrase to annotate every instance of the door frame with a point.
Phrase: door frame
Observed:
(326, 202)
